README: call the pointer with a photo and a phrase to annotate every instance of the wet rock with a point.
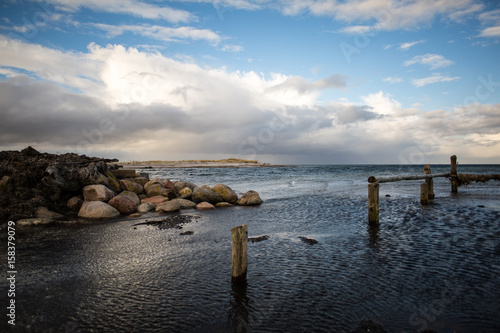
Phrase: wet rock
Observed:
(309, 241)
(122, 204)
(168, 207)
(181, 184)
(141, 180)
(154, 188)
(75, 203)
(98, 210)
(146, 207)
(114, 185)
(44, 212)
(132, 196)
(34, 221)
(97, 193)
(131, 186)
(201, 194)
(205, 206)
(187, 233)
(258, 238)
(224, 204)
(226, 193)
(251, 198)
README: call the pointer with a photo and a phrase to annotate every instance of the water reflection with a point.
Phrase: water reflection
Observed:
(238, 316)
(373, 232)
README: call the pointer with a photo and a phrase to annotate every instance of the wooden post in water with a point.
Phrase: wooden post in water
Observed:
(239, 235)
(429, 182)
(424, 194)
(373, 208)
(453, 173)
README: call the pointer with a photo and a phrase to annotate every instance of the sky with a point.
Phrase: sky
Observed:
(286, 81)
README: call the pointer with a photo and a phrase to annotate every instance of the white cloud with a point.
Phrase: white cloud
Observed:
(166, 34)
(406, 46)
(433, 79)
(356, 29)
(232, 48)
(131, 7)
(434, 61)
(490, 32)
(391, 79)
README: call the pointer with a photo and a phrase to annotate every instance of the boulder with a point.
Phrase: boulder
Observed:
(206, 187)
(124, 173)
(75, 203)
(158, 199)
(114, 185)
(205, 206)
(224, 204)
(185, 204)
(168, 207)
(122, 204)
(185, 193)
(44, 212)
(251, 198)
(154, 188)
(132, 196)
(181, 184)
(146, 207)
(97, 210)
(131, 186)
(201, 194)
(141, 180)
(97, 193)
(102, 179)
(226, 193)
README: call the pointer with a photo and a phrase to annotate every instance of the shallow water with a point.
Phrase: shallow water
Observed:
(433, 267)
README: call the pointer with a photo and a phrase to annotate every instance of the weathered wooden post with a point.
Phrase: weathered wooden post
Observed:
(239, 235)
(429, 182)
(373, 208)
(424, 194)
(453, 173)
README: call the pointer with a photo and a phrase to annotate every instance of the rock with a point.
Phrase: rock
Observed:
(124, 173)
(205, 206)
(3, 183)
(44, 212)
(184, 233)
(128, 185)
(185, 193)
(201, 194)
(135, 215)
(122, 204)
(181, 184)
(34, 221)
(154, 188)
(158, 199)
(97, 193)
(185, 204)
(205, 187)
(309, 241)
(141, 180)
(251, 198)
(226, 193)
(224, 204)
(146, 207)
(97, 210)
(114, 185)
(132, 196)
(102, 179)
(258, 238)
(75, 203)
(168, 207)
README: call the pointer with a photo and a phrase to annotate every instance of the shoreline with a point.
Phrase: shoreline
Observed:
(196, 164)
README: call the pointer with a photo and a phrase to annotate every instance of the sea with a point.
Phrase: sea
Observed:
(422, 268)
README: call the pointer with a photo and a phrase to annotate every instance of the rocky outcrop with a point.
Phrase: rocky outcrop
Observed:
(201, 194)
(97, 193)
(251, 198)
(97, 210)
(226, 193)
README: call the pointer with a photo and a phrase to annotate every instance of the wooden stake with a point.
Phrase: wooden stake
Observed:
(424, 194)
(453, 173)
(373, 207)
(239, 236)
(429, 181)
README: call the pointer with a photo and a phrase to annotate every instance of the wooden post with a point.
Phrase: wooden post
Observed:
(424, 194)
(373, 208)
(429, 181)
(453, 173)
(239, 235)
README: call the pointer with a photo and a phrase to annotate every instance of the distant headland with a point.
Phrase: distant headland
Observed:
(223, 163)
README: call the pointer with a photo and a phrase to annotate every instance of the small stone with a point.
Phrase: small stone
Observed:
(75, 203)
(224, 204)
(205, 206)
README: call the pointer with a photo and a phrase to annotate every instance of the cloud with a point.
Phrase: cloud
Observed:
(356, 29)
(434, 61)
(232, 48)
(302, 85)
(406, 46)
(131, 7)
(433, 79)
(391, 79)
(490, 32)
(166, 34)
